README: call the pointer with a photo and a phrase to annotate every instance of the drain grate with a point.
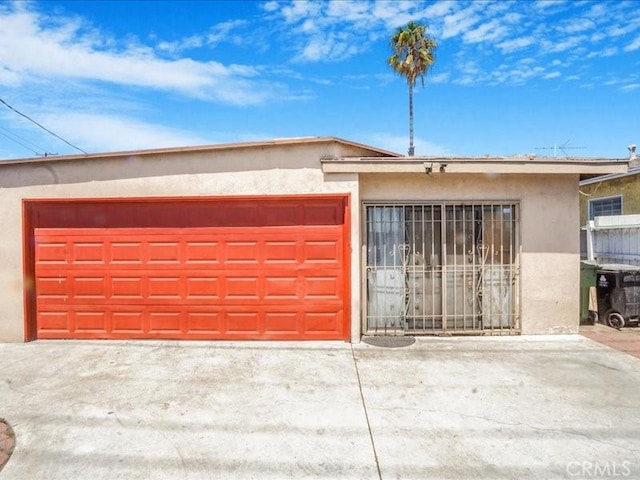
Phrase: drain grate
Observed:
(389, 341)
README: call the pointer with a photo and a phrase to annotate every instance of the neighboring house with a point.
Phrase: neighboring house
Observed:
(615, 199)
(310, 238)
(613, 194)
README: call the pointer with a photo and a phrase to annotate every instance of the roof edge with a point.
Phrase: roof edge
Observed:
(199, 148)
(474, 165)
(610, 176)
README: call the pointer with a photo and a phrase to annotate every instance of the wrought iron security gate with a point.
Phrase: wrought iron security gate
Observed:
(442, 268)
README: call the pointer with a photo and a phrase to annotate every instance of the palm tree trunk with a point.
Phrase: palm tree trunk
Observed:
(411, 149)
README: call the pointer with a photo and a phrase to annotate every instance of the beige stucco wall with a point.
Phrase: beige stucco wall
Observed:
(628, 187)
(272, 171)
(549, 299)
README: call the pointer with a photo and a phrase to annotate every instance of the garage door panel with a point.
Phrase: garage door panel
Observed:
(52, 323)
(322, 251)
(51, 252)
(163, 287)
(323, 287)
(163, 321)
(91, 321)
(85, 287)
(241, 252)
(127, 288)
(278, 252)
(285, 322)
(281, 288)
(271, 282)
(91, 253)
(204, 323)
(128, 321)
(322, 322)
(167, 252)
(205, 288)
(125, 253)
(53, 288)
(243, 321)
(201, 252)
(242, 288)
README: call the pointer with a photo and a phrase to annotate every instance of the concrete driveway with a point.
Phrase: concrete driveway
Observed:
(462, 408)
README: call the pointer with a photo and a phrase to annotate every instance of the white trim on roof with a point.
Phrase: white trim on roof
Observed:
(611, 176)
(490, 165)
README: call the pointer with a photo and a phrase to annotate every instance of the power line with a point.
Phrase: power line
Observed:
(42, 127)
(19, 143)
(14, 137)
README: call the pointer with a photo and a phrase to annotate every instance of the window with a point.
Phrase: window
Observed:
(605, 206)
(438, 267)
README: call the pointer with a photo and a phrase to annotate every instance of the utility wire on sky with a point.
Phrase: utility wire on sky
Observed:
(43, 128)
(20, 141)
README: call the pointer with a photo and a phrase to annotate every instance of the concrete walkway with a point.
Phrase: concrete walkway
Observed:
(461, 408)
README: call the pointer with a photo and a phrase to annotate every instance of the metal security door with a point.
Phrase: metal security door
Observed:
(438, 268)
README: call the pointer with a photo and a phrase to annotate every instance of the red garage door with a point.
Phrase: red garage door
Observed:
(259, 282)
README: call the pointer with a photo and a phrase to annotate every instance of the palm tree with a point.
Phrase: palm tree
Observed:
(413, 54)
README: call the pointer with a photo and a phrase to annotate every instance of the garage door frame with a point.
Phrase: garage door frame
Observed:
(72, 213)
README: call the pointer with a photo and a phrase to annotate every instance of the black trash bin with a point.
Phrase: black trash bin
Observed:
(618, 292)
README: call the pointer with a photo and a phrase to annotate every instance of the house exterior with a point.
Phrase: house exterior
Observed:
(611, 194)
(610, 216)
(310, 238)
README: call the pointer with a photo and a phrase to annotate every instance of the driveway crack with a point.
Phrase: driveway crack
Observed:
(366, 414)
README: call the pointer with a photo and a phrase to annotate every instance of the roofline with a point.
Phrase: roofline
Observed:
(610, 176)
(198, 148)
(474, 165)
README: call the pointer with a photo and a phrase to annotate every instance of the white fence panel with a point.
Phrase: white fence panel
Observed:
(616, 239)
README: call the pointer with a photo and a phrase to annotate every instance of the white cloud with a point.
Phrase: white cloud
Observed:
(439, 78)
(606, 52)
(631, 87)
(512, 45)
(352, 11)
(438, 9)
(400, 144)
(577, 25)
(551, 75)
(95, 132)
(459, 22)
(295, 11)
(485, 33)
(32, 48)
(331, 47)
(546, 4)
(633, 46)
(564, 45)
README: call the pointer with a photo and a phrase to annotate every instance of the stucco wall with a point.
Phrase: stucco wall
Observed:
(628, 187)
(272, 171)
(549, 300)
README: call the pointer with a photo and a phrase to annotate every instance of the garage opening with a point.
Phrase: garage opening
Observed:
(232, 268)
(442, 268)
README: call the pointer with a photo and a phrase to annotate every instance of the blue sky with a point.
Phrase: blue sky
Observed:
(510, 78)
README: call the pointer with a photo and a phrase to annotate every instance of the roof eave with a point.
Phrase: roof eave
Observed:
(199, 148)
(501, 165)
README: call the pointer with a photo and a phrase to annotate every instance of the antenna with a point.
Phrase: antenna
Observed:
(563, 148)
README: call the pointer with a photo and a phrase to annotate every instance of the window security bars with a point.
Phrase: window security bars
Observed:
(442, 268)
